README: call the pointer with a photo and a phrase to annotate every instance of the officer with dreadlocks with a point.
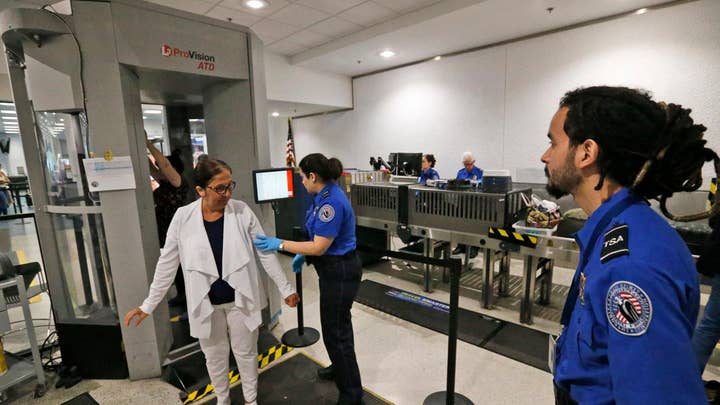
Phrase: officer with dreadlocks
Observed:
(630, 312)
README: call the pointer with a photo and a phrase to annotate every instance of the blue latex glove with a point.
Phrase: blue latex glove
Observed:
(267, 243)
(297, 263)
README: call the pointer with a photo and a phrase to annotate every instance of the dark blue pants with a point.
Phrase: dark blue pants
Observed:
(339, 283)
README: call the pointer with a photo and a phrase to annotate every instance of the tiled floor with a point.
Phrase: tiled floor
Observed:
(398, 360)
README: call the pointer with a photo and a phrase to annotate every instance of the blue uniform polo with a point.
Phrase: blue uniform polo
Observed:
(429, 174)
(475, 174)
(627, 339)
(331, 216)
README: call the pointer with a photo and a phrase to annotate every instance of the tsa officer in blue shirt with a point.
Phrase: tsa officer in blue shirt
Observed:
(428, 169)
(470, 171)
(633, 303)
(330, 225)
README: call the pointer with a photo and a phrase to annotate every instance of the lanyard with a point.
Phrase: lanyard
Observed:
(599, 228)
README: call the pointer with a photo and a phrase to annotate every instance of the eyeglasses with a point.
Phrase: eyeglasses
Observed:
(223, 188)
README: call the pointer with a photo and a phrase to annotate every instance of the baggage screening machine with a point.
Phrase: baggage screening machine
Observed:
(472, 218)
(78, 82)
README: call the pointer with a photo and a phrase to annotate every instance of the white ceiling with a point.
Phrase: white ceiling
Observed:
(288, 27)
(346, 36)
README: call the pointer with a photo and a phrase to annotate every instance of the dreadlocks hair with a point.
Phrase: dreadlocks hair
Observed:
(654, 148)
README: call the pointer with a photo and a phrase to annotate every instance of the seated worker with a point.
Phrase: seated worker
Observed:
(470, 171)
(428, 172)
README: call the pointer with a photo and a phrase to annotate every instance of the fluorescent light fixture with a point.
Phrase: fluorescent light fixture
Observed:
(275, 114)
(8, 104)
(387, 53)
(144, 117)
(9, 118)
(152, 112)
(8, 112)
(641, 11)
(256, 4)
(437, 57)
(196, 120)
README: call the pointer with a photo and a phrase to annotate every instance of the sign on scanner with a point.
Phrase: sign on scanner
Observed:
(108, 175)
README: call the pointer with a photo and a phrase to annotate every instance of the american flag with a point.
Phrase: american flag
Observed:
(290, 147)
(629, 308)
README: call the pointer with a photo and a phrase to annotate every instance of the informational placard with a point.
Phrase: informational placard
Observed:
(108, 175)
(273, 184)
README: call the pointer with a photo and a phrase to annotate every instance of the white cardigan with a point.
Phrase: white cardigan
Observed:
(187, 244)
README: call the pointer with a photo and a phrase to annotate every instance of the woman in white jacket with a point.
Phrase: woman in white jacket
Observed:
(212, 239)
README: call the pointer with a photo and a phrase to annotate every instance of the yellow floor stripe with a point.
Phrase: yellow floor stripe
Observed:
(319, 363)
(264, 359)
(22, 259)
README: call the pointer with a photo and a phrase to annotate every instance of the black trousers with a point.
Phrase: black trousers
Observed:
(562, 397)
(339, 283)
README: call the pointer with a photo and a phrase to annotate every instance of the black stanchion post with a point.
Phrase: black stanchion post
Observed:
(449, 396)
(300, 336)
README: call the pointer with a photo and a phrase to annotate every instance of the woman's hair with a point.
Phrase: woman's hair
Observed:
(206, 169)
(326, 169)
(654, 148)
(430, 158)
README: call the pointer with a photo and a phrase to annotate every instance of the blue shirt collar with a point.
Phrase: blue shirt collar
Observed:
(322, 194)
(584, 234)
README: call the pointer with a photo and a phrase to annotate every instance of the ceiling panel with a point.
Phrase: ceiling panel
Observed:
(330, 6)
(335, 27)
(404, 6)
(274, 5)
(270, 30)
(367, 14)
(298, 15)
(233, 15)
(285, 47)
(309, 39)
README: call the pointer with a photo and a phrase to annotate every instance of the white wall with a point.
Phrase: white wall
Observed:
(498, 102)
(296, 84)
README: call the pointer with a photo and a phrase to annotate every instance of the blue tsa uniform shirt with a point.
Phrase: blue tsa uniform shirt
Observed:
(626, 336)
(331, 216)
(430, 174)
(475, 174)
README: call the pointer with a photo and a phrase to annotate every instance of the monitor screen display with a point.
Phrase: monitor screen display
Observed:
(273, 184)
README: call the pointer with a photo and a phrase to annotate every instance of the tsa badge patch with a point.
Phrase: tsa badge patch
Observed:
(628, 308)
(327, 213)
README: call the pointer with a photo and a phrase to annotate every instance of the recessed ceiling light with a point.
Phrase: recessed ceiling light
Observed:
(387, 53)
(152, 112)
(8, 112)
(437, 57)
(256, 4)
(641, 11)
(275, 114)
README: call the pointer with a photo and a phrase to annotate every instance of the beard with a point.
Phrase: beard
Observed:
(564, 181)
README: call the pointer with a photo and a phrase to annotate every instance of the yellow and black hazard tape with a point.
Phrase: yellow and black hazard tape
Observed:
(264, 359)
(506, 235)
(713, 189)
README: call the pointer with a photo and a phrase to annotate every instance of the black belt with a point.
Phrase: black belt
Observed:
(330, 258)
(562, 397)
